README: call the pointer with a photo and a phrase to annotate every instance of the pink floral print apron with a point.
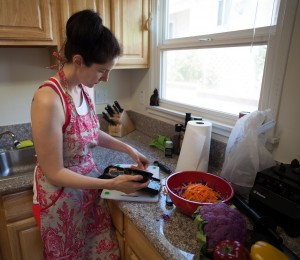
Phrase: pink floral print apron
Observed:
(75, 223)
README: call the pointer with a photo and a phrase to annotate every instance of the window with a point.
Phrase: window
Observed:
(215, 58)
(225, 79)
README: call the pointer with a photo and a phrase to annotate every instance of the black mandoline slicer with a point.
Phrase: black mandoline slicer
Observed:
(113, 171)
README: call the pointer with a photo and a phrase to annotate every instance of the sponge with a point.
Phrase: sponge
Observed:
(25, 143)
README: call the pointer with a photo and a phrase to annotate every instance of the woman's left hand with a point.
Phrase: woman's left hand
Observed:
(139, 158)
(107, 141)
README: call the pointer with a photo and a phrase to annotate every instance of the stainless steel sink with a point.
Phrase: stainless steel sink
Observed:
(17, 161)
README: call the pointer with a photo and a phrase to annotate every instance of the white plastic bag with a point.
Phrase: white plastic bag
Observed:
(246, 151)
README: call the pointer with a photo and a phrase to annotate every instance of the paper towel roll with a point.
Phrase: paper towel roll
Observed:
(194, 154)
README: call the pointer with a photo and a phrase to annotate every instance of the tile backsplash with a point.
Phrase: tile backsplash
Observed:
(153, 127)
(147, 125)
(21, 131)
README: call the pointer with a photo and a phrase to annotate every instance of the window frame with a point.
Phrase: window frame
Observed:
(274, 71)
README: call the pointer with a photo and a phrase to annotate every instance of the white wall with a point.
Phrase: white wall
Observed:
(288, 124)
(22, 70)
(119, 87)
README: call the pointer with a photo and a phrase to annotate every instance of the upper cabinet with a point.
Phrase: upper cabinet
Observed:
(42, 23)
(130, 24)
(69, 7)
(27, 23)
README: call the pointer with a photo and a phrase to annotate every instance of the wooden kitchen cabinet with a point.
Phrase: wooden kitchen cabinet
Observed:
(137, 245)
(69, 7)
(118, 222)
(25, 240)
(130, 23)
(134, 245)
(28, 23)
(19, 234)
(128, 20)
(42, 23)
(20, 237)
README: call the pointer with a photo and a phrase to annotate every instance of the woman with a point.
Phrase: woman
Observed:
(74, 221)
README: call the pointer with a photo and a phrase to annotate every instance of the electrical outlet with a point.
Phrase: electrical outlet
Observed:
(142, 97)
(100, 96)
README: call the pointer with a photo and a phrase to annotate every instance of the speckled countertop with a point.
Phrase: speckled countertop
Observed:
(174, 238)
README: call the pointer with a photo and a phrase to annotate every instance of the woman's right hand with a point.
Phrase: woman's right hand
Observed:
(128, 183)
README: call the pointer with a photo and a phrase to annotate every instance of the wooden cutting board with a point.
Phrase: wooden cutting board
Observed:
(136, 196)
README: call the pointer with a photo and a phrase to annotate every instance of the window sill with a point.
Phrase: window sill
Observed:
(220, 131)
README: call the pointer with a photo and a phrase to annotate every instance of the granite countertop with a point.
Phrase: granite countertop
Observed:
(174, 238)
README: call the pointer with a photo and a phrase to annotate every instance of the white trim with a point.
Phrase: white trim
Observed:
(276, 59)
(274, 73)
(213, 40)
(220, 131)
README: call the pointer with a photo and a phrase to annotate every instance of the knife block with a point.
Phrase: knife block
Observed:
(123, 125)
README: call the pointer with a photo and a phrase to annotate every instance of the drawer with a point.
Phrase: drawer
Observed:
(17, 206)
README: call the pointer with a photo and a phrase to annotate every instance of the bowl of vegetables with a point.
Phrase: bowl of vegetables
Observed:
(190, 189)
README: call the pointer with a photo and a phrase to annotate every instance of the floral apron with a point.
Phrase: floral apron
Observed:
(74, 223)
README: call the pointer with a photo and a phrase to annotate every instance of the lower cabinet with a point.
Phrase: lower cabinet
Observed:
(20, 238)
(19, 234)
(25, 237)
(133, 244)
(118, 221)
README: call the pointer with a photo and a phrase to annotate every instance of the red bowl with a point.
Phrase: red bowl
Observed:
(188, 207)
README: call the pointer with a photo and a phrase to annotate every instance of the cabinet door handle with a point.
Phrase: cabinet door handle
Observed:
(148, 23)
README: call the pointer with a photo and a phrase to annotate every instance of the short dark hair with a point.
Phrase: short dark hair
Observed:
(88, 37)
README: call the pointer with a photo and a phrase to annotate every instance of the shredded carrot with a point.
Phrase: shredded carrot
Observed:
(136, 167)
(199, 193)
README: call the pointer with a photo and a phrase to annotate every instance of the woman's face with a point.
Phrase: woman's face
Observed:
(89, 76)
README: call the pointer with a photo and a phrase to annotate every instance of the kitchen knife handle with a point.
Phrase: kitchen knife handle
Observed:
(116, 109)
(118, 106)
(163, 167)
(105, 116)
(108, 111)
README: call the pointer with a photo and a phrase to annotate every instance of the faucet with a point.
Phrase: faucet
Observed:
(13, 136)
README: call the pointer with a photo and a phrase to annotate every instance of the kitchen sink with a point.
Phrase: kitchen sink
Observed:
(14, 162)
